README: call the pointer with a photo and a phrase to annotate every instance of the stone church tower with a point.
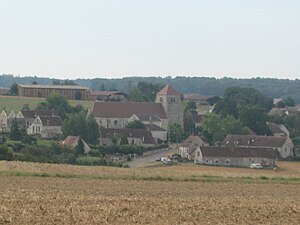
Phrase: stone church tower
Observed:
(172, 103)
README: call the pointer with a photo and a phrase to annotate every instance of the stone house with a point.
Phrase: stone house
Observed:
(187, 149)
(283, 145)
(15, 118)
(159, 134)
(140, 137)
(235, 156)
(46, 126)
(72, 141)
(278, 130)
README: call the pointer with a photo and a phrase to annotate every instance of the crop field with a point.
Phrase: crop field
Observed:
(16, 103)
(35, 193)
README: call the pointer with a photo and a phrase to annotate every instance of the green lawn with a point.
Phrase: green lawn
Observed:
(15, 103)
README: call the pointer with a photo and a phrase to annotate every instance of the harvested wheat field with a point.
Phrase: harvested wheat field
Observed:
(48, 194)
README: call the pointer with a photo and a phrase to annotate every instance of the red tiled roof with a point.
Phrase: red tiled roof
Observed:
(168, 90)
(238, 152)
(127, 109)
(129, 132)
(254, 140)
(71, 141)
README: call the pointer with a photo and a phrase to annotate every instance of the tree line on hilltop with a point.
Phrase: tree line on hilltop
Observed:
(270, 87)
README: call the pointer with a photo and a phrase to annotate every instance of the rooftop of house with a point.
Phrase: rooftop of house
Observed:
(276, 128)
(149, 118)
(254, 140)
(143, 134)
(191, 140)
(237, 152)
(127, 109)
(70, 141)
(51, 120)
(168, 90)
(153, 127)
(35, 113)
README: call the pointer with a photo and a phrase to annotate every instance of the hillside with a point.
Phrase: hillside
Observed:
(271, 87)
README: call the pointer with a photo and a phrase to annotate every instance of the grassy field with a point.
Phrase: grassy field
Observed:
(35, 193)
(16, 103)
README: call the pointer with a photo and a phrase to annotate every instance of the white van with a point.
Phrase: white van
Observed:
(256, 166)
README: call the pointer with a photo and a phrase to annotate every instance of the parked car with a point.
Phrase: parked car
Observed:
(256, 166)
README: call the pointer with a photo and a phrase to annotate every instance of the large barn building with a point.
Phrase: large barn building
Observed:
(43, 91)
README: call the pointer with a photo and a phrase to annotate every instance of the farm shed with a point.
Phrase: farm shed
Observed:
(235, 156)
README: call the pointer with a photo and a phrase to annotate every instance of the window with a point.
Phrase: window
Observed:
(206, 161)
(198, 153)
(161, 99)
(172, 99)
(116, 122)
(216, 161)
(227, 161)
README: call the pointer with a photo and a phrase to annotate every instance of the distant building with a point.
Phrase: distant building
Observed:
(187, 149)
(278, 130)
(172, 104)
(46, 126)
(108, 95)
(140, 137)
(235, 156)
(201, 99)
(283, 145)
(72, 141)
(43, 91)
(167, 109)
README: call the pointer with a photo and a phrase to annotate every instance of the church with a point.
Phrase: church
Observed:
(167, 109)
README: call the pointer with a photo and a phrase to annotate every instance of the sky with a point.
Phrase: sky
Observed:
(68, 39)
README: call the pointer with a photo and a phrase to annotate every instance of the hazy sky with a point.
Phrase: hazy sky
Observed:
(118, 38)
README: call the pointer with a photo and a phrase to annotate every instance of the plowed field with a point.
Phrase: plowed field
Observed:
(31, 199)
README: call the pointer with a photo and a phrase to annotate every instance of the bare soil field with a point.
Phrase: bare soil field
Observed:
(104, 195)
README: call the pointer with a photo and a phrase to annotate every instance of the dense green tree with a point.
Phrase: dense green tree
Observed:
(6, 153)
(144, 92)
(235, 98)
(135, 124)
(175, 133)
(215, 128)
(79, 150)
(80, 125)
(190, 107)
(255, 117)
(16, 133)
(188, 124)
(14, 89)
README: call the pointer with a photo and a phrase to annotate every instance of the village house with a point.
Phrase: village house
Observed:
(72, 142)
(23, 118)
(278, 130)
(167, 109)
(159, 134)
(235, 156)
(187, 149)
(140, 137)
(46, 126)
(283, 145)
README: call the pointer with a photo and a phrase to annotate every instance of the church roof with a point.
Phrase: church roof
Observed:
(168, 90)
(127, 109)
